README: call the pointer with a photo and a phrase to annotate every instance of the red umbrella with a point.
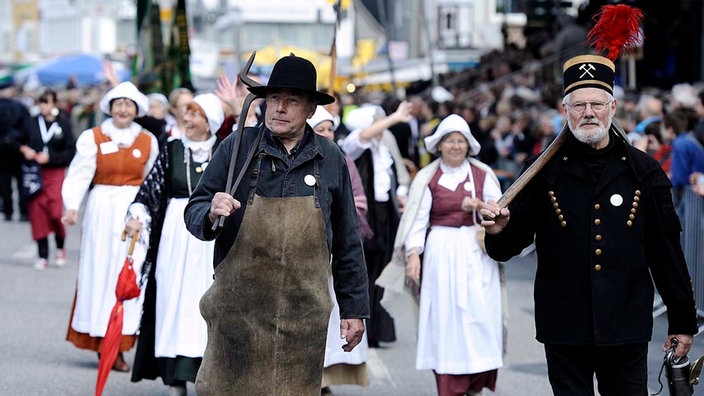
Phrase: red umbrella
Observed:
(125, 289)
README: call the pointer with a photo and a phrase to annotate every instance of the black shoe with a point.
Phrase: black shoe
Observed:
(24, 217)
(8, 217)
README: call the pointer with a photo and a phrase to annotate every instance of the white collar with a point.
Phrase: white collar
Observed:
(198, 146)
(462, 169)
(121, 136)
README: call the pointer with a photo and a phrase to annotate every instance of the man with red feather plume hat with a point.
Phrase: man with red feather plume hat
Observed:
(601, 215)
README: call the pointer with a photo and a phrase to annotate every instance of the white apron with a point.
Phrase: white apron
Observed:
(333, 347)
(184, 271)
(460, 323)
(102, 256)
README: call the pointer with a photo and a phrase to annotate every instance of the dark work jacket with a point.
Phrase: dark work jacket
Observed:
(14, 117)
(282, 176)
(593, 282)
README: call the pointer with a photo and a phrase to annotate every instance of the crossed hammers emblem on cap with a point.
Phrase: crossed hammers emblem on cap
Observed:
(587, 69)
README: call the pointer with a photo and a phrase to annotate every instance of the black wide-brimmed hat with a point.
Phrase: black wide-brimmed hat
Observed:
(292, 72)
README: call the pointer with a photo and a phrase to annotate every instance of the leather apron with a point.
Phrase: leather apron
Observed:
(268, 308)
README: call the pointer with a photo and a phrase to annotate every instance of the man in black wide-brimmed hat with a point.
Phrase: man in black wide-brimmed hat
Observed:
(268, 308)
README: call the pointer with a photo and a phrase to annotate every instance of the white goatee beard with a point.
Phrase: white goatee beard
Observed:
(590, 138)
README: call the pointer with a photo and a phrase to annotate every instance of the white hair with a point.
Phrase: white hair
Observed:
(683, 95)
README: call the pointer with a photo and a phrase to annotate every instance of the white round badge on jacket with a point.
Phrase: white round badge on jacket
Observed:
(616, 200)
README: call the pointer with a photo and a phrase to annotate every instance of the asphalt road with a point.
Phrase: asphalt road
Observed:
(36, 360)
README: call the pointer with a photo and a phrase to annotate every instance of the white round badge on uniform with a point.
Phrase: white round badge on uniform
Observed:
(467, 186)
(616, 200)
(136, 153)
(309, 180)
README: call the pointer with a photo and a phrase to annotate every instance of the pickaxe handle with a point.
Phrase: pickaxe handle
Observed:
(540, 162)
(229, 187)
(525, 177)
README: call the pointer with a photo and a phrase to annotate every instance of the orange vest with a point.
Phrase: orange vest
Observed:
(121, 168)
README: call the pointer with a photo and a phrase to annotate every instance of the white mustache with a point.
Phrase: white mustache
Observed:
(590, 122)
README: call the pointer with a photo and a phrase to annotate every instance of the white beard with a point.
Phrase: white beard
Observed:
(591, 137)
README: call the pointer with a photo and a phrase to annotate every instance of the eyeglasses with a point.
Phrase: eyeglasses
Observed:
(580, 107)
(123, 102)
(459, 142)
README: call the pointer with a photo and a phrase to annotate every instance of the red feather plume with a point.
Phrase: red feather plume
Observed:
(616, 30)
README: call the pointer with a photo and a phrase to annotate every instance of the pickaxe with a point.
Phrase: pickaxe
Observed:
(587, 69)
(230, 188)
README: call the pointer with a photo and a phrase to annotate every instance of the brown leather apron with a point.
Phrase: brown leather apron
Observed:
(268, 308)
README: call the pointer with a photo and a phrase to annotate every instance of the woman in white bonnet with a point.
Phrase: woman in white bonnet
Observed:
(385, 180)
(460, 333)
(113, 158)
(178, 265)
(342, 367)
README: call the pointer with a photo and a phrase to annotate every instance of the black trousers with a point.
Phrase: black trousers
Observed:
(620, 370)
(10, 169)
(377, 253)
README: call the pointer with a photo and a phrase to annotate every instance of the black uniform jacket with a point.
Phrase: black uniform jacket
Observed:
(598, 244)
(282, 175)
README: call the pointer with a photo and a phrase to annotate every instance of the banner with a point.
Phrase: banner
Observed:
(180, 50)
(150, 47)
(160, 69)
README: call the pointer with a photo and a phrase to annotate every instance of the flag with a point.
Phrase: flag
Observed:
(179, 70)
(150, 58)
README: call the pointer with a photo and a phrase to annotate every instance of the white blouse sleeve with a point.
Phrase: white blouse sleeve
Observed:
(352, 146)
(416, 235)
(491, 191)
(138, 211)
(153, 153)
(80, 172)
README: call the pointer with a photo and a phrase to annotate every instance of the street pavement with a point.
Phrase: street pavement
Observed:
(36, 360)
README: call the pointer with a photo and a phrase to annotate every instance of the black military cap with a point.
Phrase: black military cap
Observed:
(585, 71)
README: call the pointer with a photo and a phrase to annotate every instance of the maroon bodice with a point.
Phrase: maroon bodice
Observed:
(447, 205)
